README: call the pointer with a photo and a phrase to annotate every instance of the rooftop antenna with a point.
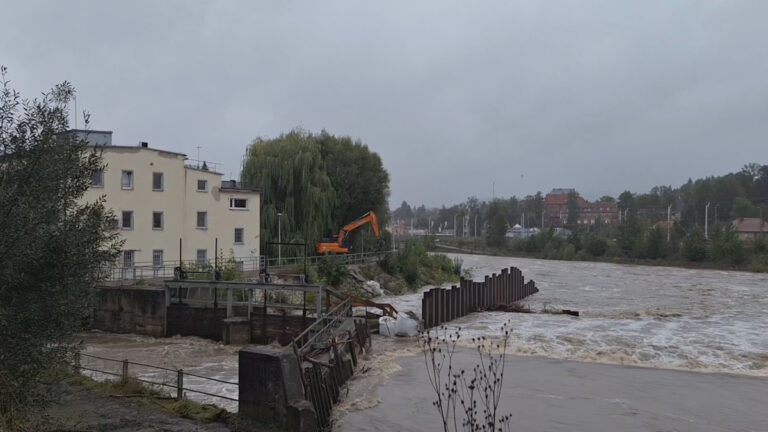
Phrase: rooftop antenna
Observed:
(75, 98)
(198, 156)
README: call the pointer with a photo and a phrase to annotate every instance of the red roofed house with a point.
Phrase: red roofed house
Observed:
(750, 228)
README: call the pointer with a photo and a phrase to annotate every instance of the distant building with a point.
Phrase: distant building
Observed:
(167, 210)
(590, 213)
(750, 228)
(518, 231)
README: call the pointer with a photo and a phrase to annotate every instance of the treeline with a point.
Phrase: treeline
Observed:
(312, 185)
(734, 195)
(636, 241)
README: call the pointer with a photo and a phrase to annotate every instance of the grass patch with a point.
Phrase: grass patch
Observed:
(148, 395)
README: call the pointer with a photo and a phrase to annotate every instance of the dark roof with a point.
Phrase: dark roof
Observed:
(750, 225)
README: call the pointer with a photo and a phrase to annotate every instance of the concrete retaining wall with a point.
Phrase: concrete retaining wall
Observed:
(130, 310)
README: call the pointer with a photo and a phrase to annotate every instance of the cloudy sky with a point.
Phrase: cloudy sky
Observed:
(455, 96)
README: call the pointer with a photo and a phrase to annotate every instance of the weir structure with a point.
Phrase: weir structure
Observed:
(302, 340)
(440, 305)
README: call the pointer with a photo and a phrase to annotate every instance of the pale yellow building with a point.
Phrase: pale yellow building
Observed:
(168, 210)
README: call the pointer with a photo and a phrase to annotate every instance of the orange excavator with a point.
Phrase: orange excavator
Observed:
(340, 243)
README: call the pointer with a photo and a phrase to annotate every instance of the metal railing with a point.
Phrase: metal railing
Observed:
(124, 375)
(247, 267)
(324, 326)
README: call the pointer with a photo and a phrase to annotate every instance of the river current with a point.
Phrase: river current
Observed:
(657, 317)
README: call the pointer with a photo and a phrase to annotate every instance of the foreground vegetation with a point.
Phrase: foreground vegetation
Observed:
(406, 270)
(53, 245)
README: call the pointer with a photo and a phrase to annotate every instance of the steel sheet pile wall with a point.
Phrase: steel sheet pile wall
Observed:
(441, 305)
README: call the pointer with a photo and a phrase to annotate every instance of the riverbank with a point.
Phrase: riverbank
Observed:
(479, 247)
(557, 395)
(87, 405)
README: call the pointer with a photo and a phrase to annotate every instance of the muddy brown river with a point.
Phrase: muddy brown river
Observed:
(655, 349)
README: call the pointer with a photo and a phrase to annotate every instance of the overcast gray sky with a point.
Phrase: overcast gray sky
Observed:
(599, 95)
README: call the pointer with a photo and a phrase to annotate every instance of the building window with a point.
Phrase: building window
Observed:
(127, 220)
(98, 179)
(202, 256)
(202, 185)
(239, 233)
(127, 180)
(238, 203)
(157, 181)
(202, 219)
(157, 220)
(157, 258)
(128, 258)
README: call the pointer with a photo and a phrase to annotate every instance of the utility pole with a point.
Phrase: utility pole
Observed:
(475, 224)
(455, 231)
(669, 220)
(706, 221)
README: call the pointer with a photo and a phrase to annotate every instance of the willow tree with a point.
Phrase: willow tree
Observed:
(318, 182)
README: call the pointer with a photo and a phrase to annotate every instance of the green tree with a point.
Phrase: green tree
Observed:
(726, 245)
(572, 204)
(318, 183)
(627, 200)
(498, 229)
(595, 245)
(654, 244)
(695, 245)
(53, 245)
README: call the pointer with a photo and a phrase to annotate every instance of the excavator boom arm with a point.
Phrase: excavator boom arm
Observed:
(369, 217)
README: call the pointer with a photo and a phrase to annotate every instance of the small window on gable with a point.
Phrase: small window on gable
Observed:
(239, 234)
(238, 203)
(157, 181)
(202, 185)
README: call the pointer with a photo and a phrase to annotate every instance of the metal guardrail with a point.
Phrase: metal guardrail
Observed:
(302, 343)
(180, 374)
(247, 266)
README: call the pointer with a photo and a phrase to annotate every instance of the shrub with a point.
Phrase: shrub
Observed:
(695, 245)
(726, 246)
(332, 270)
(595, 246)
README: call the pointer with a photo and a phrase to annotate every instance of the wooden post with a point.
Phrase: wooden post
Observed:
(486, 292)
(180, 384)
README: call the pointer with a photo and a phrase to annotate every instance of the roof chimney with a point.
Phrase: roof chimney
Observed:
(143, 144)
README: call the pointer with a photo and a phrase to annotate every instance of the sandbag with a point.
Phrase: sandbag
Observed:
(406, 326)
(387, 326)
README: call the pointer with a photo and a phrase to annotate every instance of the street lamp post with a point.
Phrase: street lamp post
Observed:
(706, 221)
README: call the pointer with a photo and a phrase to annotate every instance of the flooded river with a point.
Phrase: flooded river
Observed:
(654, 317)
